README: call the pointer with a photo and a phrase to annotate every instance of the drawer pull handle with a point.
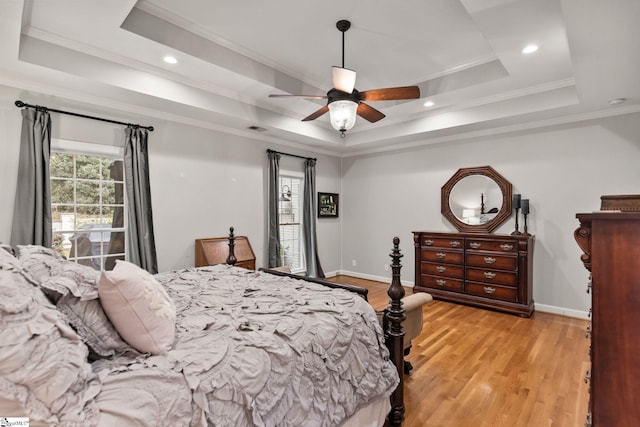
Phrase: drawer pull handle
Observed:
(489, 290)
(454, 243)
(428, 242)
(475, 245)
(441, 282)
(588, 331)
(440, 255)
(489, 274)
(587, 376)
(441, 268)
(489, 260)
(506, 247)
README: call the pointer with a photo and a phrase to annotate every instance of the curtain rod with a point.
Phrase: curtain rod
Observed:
(291, 155)
(21, 104)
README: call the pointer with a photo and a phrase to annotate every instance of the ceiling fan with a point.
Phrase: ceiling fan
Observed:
(344, 101)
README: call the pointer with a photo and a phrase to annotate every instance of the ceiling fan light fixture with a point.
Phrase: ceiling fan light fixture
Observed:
(343, 114)
(345, 102)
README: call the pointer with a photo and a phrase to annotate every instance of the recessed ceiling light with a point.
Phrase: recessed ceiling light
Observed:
(617, 101)
(429, 104)
(170, 59)
(530, 48)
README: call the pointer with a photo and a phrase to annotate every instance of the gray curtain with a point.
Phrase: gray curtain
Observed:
(275, 259)
(32, 208)
(309, 221)
(141, 246)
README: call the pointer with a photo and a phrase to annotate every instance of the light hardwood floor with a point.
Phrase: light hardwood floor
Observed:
(475, 367)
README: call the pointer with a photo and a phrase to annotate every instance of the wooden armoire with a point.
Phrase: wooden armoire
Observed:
(611, 245)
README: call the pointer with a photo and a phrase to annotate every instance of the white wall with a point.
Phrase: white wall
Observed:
(202, 182)
(205, 181)
(563, 170)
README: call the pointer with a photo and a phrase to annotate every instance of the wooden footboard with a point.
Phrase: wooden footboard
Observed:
(394, 316)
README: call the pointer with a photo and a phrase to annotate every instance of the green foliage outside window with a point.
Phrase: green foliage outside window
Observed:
(93, 181)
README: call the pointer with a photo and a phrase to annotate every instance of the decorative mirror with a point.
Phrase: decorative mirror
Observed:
(476, 200)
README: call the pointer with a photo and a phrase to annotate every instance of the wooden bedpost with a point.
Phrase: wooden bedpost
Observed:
(231, 258)
(395, 334)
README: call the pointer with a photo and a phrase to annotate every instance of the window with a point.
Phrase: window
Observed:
(290, 212)
(87, 204)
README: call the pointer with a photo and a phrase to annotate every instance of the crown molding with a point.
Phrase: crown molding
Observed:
(593, 115)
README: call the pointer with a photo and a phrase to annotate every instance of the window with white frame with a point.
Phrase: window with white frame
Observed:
(290, 213)
(88, 203)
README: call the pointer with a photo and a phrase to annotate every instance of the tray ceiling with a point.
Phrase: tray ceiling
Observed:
(465, 55)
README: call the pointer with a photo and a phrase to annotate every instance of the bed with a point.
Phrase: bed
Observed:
(217, 345)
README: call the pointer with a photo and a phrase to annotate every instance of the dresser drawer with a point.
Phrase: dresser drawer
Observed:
(442, 242)
(449, 257)
(492, 291)
(445, 283)
(491, 260)
(448, 270)
(486, 275)
(506, 246)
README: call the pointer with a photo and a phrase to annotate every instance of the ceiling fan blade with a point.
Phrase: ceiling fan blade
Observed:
(369, 113)
(344, 79)
(391, 93)
(285, 95)
(317, 114)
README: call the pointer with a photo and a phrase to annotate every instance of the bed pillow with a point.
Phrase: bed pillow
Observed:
(7, 259)
(92, 324)
(56, 275)
(139, 307)
(44, 374)
(74, 289)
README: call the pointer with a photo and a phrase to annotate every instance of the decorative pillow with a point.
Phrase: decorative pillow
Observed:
(44, 374)
(139, 307)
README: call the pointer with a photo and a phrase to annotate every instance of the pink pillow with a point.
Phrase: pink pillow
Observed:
(139, 308)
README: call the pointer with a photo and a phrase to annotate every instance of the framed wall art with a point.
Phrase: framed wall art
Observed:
(328, 205)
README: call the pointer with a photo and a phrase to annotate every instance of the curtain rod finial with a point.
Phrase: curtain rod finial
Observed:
(20, 104)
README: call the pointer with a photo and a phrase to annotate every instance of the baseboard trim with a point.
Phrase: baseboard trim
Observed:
(328, 274)
(562, 311)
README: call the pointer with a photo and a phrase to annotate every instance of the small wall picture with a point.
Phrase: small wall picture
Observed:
(327, 205)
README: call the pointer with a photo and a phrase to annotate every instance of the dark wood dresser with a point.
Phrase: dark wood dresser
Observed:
(485, 270)
(214, 250)
(611, 245)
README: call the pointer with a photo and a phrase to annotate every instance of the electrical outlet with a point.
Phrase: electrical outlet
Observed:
(353, 263)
